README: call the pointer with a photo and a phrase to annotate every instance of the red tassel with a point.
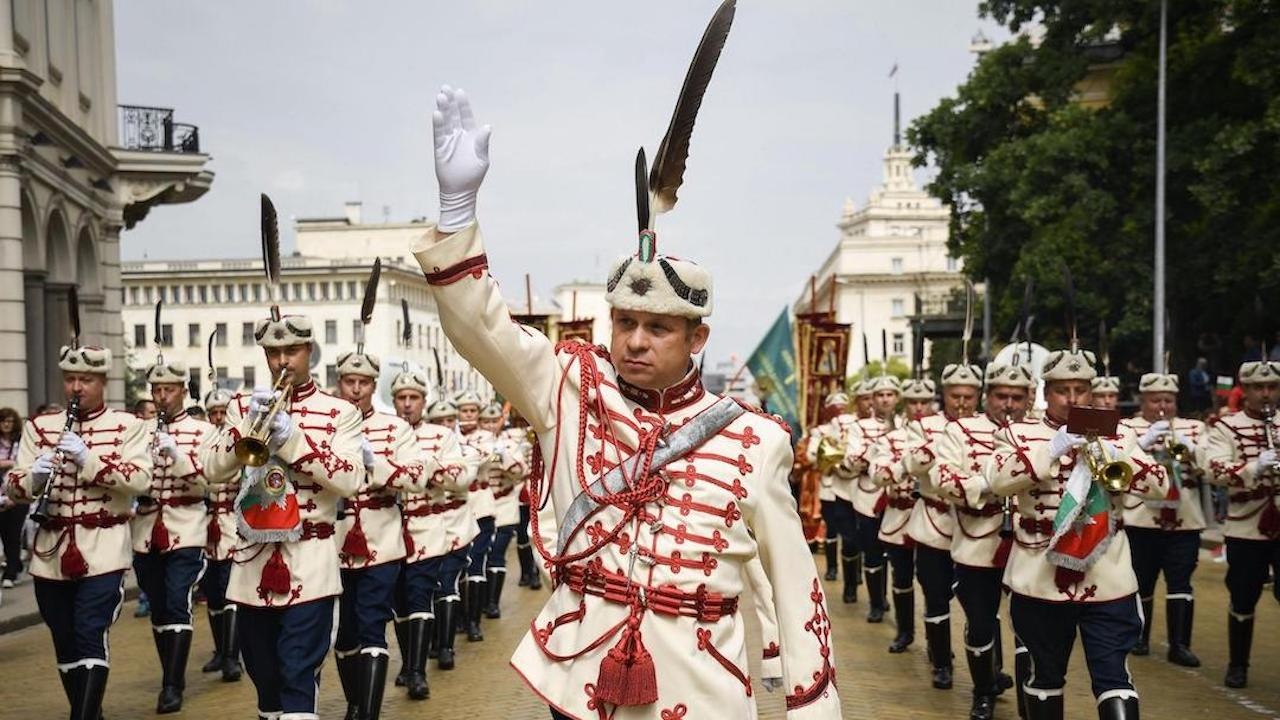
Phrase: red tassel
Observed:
(1001, 558)
(214, 535)
(276, 578)
(159, 535)
(356, 544)
(409, 548)
(627, 675)
(1269, 521)
(73, 563)
(882, 502)
(1064, 578)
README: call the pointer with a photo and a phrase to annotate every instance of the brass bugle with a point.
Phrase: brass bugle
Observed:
(1115, 476)
(831, 453)
(252, 449)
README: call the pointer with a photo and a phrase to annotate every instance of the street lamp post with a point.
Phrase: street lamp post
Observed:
(1157, 350)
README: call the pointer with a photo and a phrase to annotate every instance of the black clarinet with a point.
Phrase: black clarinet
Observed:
(1006, 507)
(162, 426)
(40, 513)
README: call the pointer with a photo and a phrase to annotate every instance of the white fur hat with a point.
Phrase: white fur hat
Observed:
(353, 363)
(836, 399)
(1158, 382)
(649, 282)
(862, 388)
(1009, 375)
(1258, 372)
(288, 330)
(218, 398)
(85, 359)
(1069, 365)
(410, 380)
(441, 409)
(958, 374)
(492, 411)
(169, 372)
(1105, 384)
(467, 397)
(883, 382)
(923, 389)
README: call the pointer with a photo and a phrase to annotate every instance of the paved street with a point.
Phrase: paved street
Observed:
(873, 683)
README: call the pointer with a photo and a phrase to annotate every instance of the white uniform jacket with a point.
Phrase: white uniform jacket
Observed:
(438, 520)
(837, 484)
(90, 506)
(889, 474)
(483, 504)
(932, 523)
(963, 452)
(172, 513)
(372, 532)
(868, 497)
(685, 541)
(1229, 457)
(1182, 509)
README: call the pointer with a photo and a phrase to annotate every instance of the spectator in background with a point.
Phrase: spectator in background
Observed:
(1200, 387)
(1252, 350)
(145, 409)
(12, 515)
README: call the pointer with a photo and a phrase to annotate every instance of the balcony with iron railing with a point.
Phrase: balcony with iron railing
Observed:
(153, 129)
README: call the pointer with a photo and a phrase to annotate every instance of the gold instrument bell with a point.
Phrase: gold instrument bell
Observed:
(1115, 476)
(252, 449)
(831, 453)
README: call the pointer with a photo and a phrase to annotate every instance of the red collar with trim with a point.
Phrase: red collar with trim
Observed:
(681, 395)
(305, 390)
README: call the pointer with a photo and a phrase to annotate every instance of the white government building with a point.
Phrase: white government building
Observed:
(75, 171)
(891, 251)
(324, 280)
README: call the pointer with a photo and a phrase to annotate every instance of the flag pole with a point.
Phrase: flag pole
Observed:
(1158, 322)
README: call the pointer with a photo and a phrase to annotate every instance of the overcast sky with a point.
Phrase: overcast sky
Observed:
(319, 102)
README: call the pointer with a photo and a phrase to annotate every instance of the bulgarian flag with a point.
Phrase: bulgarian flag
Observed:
(1082, 529)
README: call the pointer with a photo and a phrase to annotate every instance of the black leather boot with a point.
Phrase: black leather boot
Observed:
(348, 677)
(1047, 708)
(474, 602)
(525, 554)
(904, 613)
(215, 629)
(372, 677)
(402, 639)
(833, 558)
(231, 646)
(1115, 708)
(416, 676)
(876, 581)
(1240, 644)
(937, 635)
(851, 579)
(446, 619)
(1178, 614)
(178, 649)
(497, 578)
(1144, 642)
(88, 686)
(1003, 679)
(1021, 675)
(982, 668)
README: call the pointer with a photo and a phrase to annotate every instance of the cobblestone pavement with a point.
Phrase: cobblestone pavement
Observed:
(873, 684)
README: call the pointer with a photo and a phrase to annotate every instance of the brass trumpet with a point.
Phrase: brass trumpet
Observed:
(1114, 475)
(1179, 452)
(831, 453)
(252, 449)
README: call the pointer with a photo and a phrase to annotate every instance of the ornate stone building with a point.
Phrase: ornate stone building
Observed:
(75, 171)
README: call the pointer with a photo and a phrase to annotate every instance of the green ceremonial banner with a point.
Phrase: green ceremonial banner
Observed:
(773, 364)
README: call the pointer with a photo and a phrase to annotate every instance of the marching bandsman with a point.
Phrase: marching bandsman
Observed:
(828, 445)
(468, 403)
(1106, 392)
(1164, 534)
(1069, 569)
(438, 528)
(932, 525)
(869, 499)
(976, 543)
(286, 571)
(649, 563)
(530, 575)
(443, 413)
(220, 541)
(371, 538)
(1240, 453)
(80, 468)
(862, 400)
(478, 444)
(889, 473)
(170, 527)
(512, 448)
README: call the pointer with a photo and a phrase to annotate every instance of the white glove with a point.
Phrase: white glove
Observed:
(462, 158)
(366, 450)
(261, 400)
(1154, 434)
(43, 468)
(166, 445)
(1267, 460)
(281, 429)
(1063, 442)
(771, 683)
(73, 448)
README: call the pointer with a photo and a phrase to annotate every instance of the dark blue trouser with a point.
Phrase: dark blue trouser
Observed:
(365, 608)
(214, 584)
(936, 573)
(480, 550)
(502, 538)
(843, 522)
(168, 579)
(79, 613)
(1155, 551)
(868, 537)
(902, 563)
(427, 581)
(522, 528)
(1247, 564)
(283, 650)
(1108, 632)
(978, 590)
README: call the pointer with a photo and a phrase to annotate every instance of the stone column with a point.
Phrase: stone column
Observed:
(110, 322)
(35, 341)
(13, 339)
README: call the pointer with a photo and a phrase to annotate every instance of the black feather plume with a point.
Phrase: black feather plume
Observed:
(158, 338)
(669, 162)
(1023, 328)
(642, 191)
(866, 355)
(439, 371)
(73, 310)
(213, 336)
(1069, 307)
(270, 241)
(1104, 350)
(371, 293)
(406, 337)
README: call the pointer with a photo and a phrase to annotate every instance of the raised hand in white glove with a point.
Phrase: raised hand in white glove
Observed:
(462, 158)
(366, 451)
(1063, 442)
(281, 429)
(771, 683)
(261, 399)
(1268, 459)
(1154, 434)
(73, 448)
(43, 468)
(166, 445)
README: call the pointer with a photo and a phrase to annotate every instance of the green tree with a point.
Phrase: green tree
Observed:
(1037, 180)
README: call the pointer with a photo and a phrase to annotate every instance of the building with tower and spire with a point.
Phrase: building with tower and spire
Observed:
(890, 262)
